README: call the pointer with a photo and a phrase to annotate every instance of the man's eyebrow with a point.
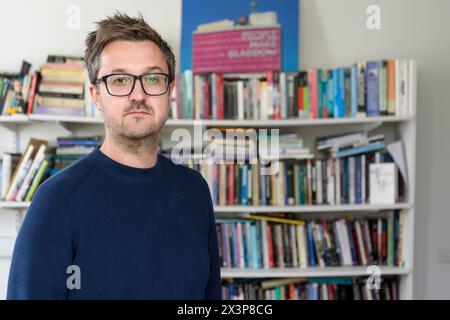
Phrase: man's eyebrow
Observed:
(148, 69)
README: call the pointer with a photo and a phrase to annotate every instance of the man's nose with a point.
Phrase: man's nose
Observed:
(138, 93)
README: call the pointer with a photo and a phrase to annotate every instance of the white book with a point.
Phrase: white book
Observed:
(383, 183)
(344, 240)
(240, 100)
(6, 173)
(412, 87)
(301, 246)
(264, 100)
(37, 161)
(294, 246)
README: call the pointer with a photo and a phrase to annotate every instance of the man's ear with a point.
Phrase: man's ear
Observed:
(171, 88)
(95, 95)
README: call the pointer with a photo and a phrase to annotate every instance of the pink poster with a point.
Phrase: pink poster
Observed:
(238, 50)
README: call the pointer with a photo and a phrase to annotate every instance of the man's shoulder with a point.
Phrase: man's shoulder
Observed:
(70, 176)
(188, 178)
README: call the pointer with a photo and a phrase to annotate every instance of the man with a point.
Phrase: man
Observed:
(124, 222)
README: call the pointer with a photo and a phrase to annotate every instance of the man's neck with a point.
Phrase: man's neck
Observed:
(137, 154)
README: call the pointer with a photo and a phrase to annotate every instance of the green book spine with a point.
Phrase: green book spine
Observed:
(37, 179)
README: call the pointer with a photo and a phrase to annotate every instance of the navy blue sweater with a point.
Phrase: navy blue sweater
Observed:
(134, 234)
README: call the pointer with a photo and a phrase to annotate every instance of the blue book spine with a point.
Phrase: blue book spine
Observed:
(352, 243)
(330, 94)
(324, 84)
(345, 183)
(341, 99)
(244, 191)
(335, 93)
(235, 245)
(312, 261)
(373, 88)
(354, 90)
(254, 260)
(358, 176)
(364, 149)
(263, 189)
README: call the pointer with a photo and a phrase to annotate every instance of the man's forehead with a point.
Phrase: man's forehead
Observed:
(122, 56)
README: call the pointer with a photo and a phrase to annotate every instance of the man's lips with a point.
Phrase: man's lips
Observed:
(137, 113)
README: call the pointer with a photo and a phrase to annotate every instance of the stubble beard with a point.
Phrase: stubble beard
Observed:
(135, 141)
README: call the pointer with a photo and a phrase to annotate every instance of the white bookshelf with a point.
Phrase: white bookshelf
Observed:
(395, 128)
(309, 272)
(33, 118)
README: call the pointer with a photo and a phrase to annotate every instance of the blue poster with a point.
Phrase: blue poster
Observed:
(195, 12)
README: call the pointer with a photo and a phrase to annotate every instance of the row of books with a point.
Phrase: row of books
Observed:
(21, 174)
(71, 149)
(270, 241)
(60, 87)
(356, 288)
(332, 181)
(15, 90)
(372, 88)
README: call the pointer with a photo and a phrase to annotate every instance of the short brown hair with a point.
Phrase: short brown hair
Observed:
(122, 27)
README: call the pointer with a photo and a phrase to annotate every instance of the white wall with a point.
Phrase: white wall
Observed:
(333, 33)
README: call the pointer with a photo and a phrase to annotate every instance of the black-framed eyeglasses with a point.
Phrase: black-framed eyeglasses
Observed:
(122, 84)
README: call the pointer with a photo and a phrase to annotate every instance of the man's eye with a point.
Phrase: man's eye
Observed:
(121, 80)
(151, 80)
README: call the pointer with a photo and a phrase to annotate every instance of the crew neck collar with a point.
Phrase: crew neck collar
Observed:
(127, 172)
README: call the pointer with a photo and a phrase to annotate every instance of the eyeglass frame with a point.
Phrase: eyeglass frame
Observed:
(135, 77)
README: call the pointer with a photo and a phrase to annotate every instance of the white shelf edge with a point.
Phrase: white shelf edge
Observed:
(288, 122)
(210, 122)
(14, 119)
(313, 208)
(14, 204)
(310, 272)
(68, 119)
(302, 208)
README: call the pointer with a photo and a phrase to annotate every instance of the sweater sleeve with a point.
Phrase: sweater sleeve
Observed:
(43, 250)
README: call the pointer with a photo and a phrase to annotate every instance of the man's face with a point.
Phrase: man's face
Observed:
(138, 115)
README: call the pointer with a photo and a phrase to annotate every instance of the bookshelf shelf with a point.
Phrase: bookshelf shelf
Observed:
(292, 122)
(313, 208)
(69, 119)
(14, 204)
(309, 272)
(20, 118)
(210, 123)
(303, 208)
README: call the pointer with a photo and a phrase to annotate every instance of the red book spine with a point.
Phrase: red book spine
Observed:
(230, 184)
(270, 247)
(32, 93)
